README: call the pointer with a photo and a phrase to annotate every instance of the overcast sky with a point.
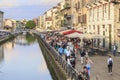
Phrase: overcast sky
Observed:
(25, 9)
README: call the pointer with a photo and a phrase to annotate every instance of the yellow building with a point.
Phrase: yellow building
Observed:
(54, 18)
(40, 21)
(48, 23)
(79, 14)
(66, 12)
(9, 24)
(47, 20)
(61, 15)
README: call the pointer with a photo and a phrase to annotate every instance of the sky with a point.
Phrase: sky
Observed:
(25, 9)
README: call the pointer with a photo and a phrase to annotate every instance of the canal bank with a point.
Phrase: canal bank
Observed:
(63, 69)
(9, 37)
(55, 68)
(6, 38)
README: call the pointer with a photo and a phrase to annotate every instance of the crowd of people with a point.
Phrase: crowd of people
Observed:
(68, 48)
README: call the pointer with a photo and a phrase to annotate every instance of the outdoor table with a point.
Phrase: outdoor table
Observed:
(103, 51)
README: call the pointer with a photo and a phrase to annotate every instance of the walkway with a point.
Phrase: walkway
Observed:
(99, 68)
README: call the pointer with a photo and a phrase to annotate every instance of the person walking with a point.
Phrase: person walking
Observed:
(114, 49)
(82, 54)
(61, 50)
(86, 54)
(88, 62)
(110, 64)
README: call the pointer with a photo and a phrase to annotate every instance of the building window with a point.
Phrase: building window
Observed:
(93, 14)
(119, 14)
(48, 23)
(98, 29)
(103, 26)
(89, 27)
(84, 18)
(104, 33)
(78, 4)
(78, 19)
(90, 12)
(109, 10)
(105, 8)
(103, 11)
(93, 27)
(98, 13)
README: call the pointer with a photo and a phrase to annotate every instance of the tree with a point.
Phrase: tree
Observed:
(30, 24)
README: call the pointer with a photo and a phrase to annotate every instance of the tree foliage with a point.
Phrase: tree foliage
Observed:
(30, 24)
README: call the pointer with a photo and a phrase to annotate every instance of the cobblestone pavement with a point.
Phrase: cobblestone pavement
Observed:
(99, 69)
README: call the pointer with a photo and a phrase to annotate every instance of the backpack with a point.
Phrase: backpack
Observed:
(110, 61)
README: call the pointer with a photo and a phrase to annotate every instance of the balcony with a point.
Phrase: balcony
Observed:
(115, 1)
(67, 6)
(67, 16)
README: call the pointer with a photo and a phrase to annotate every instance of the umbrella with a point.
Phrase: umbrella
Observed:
(71, 31)
(61, 32)
(74, 35)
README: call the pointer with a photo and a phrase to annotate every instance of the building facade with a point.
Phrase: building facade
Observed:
(48, 24)
(98, 17)
(40, 22)
(103, 19)
(9, 24)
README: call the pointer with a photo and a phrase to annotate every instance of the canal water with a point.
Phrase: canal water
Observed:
(22, 59)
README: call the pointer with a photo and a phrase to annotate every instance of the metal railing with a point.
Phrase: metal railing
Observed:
(72, 73)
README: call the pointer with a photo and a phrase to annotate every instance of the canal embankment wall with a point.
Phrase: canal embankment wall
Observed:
(55, 70)
(60, 70)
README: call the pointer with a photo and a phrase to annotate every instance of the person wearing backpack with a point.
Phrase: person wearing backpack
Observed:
(110, 64)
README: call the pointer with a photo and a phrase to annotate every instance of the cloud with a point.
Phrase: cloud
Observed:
(12, 3)
(25, 9)
(7, 3)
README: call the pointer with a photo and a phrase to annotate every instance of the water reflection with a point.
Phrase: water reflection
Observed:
(22, 60)
(25, 40)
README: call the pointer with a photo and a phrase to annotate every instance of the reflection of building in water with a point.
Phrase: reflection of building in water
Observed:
(9, 45)
(1, 53)
(20, 40)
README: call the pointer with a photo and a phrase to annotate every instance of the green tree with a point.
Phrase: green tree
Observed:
(30, 24)
(30, 38)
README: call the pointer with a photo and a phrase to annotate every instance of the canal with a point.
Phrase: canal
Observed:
(22, 59)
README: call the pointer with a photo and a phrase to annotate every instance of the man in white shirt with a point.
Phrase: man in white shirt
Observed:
(110, 64)
(114, 50)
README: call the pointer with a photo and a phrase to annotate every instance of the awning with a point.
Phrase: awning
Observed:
(61, 32)
(74, 35)
(88, 36)
(71, 31)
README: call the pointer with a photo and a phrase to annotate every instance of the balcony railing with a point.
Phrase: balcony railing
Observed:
(67, 16)
(115, 1)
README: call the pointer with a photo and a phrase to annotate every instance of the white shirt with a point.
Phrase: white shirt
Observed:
(68, 52)
(109, 60)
